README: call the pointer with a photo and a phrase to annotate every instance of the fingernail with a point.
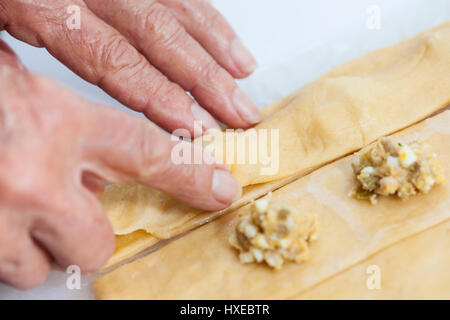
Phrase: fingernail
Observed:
(245, 107)
(242, 57)
(202, 116)
(224, 187)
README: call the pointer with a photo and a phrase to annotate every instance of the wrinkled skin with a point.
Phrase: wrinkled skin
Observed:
(146, 53)
(57, 148)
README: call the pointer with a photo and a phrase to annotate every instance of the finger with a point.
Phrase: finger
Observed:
(162, 39)
(212, 31)
(77, 232)
(125, 148)
(102, 56)
(23, 264)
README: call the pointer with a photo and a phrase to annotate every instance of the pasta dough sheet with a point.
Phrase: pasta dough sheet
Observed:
(355, 104)
(349, 231)
(403, 275)
(351, 106)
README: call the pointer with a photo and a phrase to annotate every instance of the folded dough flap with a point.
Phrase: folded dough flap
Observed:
(129, 245)
(351, 106)
(350, 230)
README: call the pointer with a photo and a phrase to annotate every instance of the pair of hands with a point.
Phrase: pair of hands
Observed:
(57, 148)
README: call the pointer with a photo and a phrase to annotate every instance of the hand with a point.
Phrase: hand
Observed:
(146, 53)
(56, 148)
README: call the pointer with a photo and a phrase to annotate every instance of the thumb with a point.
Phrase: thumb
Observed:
(125, 148)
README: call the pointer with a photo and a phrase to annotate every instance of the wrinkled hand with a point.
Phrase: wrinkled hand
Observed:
(146, 53)
(55, 150)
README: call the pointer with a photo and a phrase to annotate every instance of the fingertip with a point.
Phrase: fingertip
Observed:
(245, 107)
(203, 119)
(242, 57)
(101, 253)
(225, 188)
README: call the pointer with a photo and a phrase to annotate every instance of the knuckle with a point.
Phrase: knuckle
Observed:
(162, 25)
(174, 37)
(153, 167)
(115, 54)
(113, 51)
(48, 21)
(155, 17)
(165, 91)
(153, 153)
(112, 58)
(152, 159)
(212, 73)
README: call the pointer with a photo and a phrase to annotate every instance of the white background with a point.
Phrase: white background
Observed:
(294, 41)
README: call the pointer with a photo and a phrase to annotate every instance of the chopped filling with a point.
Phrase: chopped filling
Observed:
(271, 232)
(390, 168)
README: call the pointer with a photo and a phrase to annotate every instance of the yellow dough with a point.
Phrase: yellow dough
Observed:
(349, 107)
(356, 103)
(415, 268)
(350, 231)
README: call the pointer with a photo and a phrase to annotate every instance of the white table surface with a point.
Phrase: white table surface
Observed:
(294, 41)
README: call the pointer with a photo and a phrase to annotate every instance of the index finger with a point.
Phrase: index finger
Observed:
(124, 148)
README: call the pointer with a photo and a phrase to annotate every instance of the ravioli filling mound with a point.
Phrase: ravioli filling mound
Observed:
(272, 233)
(392, 168)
